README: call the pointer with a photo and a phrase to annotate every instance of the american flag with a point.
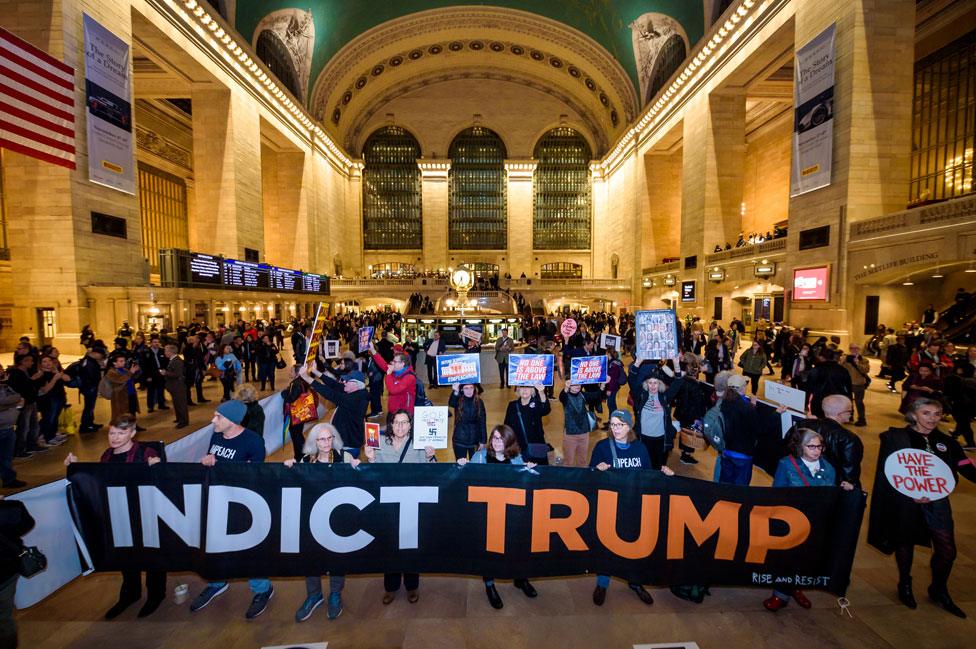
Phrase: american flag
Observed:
(37, 102)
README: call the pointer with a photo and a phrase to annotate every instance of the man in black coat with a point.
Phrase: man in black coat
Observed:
(826, 378)
(351, 400)
(842, 448)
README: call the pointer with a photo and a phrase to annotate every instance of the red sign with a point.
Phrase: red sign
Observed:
(811, 283)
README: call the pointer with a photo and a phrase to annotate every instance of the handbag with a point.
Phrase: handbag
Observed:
(692, 439)
(280, 363)
(30, 560)
(534, 449)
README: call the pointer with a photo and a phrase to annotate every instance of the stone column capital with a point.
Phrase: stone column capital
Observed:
(521, 170)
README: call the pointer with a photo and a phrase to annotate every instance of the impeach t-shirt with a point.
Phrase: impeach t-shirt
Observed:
(246, 447)
(629, 456)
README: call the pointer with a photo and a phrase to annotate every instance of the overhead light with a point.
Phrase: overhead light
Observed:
(908, 282)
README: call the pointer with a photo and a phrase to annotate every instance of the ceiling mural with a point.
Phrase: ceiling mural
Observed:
(634, 32)
(660, 45)
(285, 41)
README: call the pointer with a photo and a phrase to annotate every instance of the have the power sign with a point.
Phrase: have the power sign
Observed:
(919, 474)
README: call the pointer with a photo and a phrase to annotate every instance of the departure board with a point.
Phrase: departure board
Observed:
(246, 274)
(285, 279)
(205, 269)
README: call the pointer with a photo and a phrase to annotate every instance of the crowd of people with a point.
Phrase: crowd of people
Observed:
(699, 389)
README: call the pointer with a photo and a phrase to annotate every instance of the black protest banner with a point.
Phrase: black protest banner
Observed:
(244, 520)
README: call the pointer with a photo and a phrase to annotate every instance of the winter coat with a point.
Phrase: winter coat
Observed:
(470, 427)
(402, 390)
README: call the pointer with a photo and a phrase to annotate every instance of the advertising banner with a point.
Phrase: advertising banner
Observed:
(811, 283)
(458, 368)
(108, 92)
(238, 520)
(588, 369)
(657, 334)
(813, 114)
(530, 369)
(365, 338)
(430, 427)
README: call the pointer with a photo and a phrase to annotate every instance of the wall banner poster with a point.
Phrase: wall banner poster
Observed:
(267, 520)
(108, 92)
(813, 114)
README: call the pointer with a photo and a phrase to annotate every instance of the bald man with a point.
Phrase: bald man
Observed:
(842, 448)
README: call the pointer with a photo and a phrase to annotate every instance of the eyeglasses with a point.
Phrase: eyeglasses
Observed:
(617, 424)
(813, 446)
(400, 422)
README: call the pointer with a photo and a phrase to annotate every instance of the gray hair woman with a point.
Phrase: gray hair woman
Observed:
(322, 446)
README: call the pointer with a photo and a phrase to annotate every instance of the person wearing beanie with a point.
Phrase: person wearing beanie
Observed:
(231, 442)
(351, 399)
(740, 425)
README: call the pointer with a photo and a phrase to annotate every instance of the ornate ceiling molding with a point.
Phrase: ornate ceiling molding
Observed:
(504, 38)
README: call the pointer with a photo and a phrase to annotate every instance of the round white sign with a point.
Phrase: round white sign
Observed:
(919, 474)
(568, 328)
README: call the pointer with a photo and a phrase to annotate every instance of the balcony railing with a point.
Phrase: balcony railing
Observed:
(959, 209)
(584, 283)
(763, 249)
(416, 282)
(669, 267)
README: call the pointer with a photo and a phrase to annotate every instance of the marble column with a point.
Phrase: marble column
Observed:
(434, 204)
(520, 222)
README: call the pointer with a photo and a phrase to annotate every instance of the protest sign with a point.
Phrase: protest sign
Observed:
(786, 396)
(919, 474)
(365, 338)
(657, 334)
(332, 349)
(315, 339)
(609, 341)
(530, 369)
(458, 368)
(471, 333)
(430, 427)
(372, 434)
(568, 328)
(588, 369)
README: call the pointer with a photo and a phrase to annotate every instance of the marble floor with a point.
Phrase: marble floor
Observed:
(453, 611)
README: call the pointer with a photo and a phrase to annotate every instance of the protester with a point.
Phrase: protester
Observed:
(153, 364)
(898, 523)
(21, 377)
(803, 467)
(15, 522)
(431, 350)
(618, 451)
(690, 404)
(753, 362)
(231, 442)
(319, 449)
(122, 379)
(842, 448)
(51, 400)
(175, 381)
(400, 380)
(576, 425)
(502, 448)
(267, 359)
(503, 347)
(827, 377)
(254, 419)
(396, 447)
(87, 373)
(349, 396)
(10, 402)
(859, 370)
(122, 448)
(230, 370)
(923, 383)
(469, 420)
(652, 406)
(524, 416)
(616, 378)
(741, 426)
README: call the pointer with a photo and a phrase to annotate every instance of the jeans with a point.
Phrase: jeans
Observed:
(90, 395)
(313, 585)
(463, 451)
(502, 374)
(736, 470)
(258, 586)
(858, 397)
(8, 439)
(156, 393)
(49, 418)
(27, 428)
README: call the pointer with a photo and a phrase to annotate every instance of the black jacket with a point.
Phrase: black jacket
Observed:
(741, 426)
(842, 448)
(350, 413)
(15, 521)
(828, 378)
(690, 403)
(532, 432)
(470, 427)
(635, 379)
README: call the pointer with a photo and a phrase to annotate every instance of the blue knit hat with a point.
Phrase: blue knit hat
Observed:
(232, 411)
(623, 416)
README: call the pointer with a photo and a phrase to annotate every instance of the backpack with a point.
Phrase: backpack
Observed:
(105, 388)
(74, 371)
(422, 398)
(714, 427)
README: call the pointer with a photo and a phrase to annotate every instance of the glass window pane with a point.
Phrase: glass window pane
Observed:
(477, 213)
(562, 196)
(391, 191)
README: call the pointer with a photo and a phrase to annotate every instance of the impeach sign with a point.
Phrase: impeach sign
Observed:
(530, 369)
(458, 368)
(919, 474)
(365, 338)
(588, 369)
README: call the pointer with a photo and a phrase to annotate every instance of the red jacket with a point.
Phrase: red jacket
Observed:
(402, 390)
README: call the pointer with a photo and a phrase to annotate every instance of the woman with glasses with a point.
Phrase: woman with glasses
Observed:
(397, 448)
(400, 381)
(803, 467)
(898, 523)
(621, 450)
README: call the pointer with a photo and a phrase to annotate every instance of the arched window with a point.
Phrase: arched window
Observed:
(671, 56)
(562, 192)
(391, 191)
(477, 213)
(274, 54)
(561, 270)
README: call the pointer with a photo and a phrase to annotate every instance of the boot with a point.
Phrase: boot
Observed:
(493, 597)
(942, 600)
(905, 594)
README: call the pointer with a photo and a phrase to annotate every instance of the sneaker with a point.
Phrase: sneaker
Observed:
(688, 459)
(335, 605)
(308, 607)
(209, 594)
(61, 437)
(54, 441)
(259, 603)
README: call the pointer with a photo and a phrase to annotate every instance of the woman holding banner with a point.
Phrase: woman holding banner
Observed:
(898, 523)
(319, 449)
(619, 451)
(576, 425)
(469, 420)
(803, 467)
(502, 448)
(616, 377)
(524, 416)
(652, 405)
(397, 448)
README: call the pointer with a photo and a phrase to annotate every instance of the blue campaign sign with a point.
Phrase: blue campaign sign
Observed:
(458, 368)
(530, 369)
(588, 369)
(365, 338)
